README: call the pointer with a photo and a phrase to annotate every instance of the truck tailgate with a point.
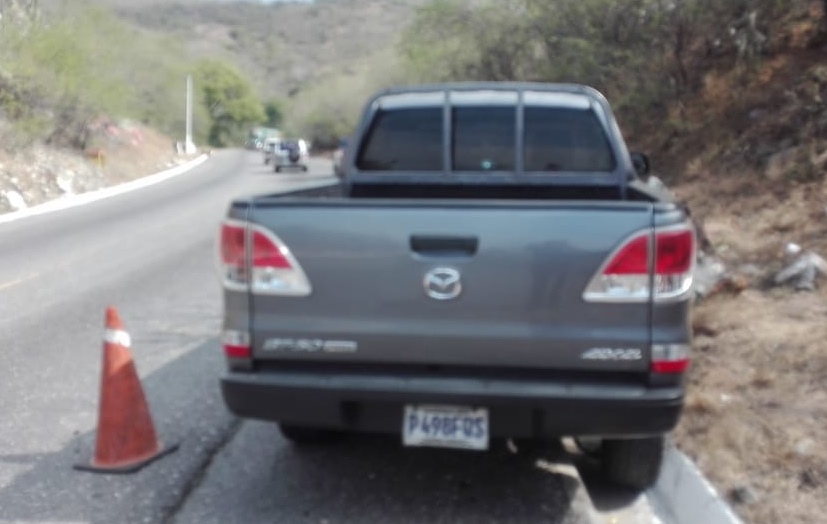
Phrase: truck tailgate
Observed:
(450, 283)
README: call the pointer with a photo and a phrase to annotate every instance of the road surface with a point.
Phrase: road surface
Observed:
(150, 253)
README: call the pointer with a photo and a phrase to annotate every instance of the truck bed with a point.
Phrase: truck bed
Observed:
(524, 267)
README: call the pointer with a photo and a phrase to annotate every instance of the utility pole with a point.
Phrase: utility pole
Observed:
(189, 147)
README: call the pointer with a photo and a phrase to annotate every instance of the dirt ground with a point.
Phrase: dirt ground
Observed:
(756, 416)
(750, 160)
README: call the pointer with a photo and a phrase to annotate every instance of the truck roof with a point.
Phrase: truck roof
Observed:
(489, 92)
(497, 86)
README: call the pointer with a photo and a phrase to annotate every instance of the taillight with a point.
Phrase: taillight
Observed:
(233, 255)
(626, 275)
(236, 343)
(255, 259)
(674, 262)
(631, 259)
(267, 253)
(670, 358)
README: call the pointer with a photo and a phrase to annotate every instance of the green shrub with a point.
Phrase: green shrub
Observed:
(639, 52)
(60, 72)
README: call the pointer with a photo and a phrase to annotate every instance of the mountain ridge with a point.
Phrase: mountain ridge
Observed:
(284, 46)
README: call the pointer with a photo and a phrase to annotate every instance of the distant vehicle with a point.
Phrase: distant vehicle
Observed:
(258, 137)
(291, 154)
(338, 158)
(270, 149)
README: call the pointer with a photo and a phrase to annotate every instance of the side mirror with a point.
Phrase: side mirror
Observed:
(641, 164)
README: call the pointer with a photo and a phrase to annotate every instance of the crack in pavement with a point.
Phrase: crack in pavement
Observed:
(171, 511)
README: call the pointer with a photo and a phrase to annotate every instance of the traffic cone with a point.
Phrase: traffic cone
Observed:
(126, 439)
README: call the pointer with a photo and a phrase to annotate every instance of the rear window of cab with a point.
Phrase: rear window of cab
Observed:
(483, 138)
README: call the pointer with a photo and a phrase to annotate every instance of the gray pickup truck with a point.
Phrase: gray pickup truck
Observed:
(491, 266)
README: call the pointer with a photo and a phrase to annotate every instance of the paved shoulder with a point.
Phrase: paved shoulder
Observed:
(258, 477)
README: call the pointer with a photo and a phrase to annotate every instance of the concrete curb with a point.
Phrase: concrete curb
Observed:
(100, 194)
(682, 495)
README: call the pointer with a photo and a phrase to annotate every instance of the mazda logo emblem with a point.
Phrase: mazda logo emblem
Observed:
(442, 283)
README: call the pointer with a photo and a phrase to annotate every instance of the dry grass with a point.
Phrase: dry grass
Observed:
(151, 153)
(756, 411)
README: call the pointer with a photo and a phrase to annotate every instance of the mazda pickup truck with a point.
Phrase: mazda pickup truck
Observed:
(491, 266)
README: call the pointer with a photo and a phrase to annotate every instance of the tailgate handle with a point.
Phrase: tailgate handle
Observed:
(436, 245)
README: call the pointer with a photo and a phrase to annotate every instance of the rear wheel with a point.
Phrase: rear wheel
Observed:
(301, 435)
(632, 463)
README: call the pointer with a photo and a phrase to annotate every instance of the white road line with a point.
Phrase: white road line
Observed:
(20, 280)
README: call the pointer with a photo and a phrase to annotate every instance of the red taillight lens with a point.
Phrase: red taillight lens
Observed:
(626, 276)
(631, 259)
(236, 343)
(232, 244)
(267, 253)
(670, 358)
(675, 252)
(237, 351)
(670, 368)
(232, 254)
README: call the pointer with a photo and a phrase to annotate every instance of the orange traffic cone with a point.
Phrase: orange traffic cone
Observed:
(126, 439)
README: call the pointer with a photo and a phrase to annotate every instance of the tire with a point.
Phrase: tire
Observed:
(632, 463)
(303, 436)
(304, 169)
(277, 169)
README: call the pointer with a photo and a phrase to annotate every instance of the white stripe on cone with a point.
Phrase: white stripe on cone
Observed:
(117, 336)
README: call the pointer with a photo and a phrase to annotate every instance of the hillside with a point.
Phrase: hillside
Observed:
(283, 47)
(748, 152)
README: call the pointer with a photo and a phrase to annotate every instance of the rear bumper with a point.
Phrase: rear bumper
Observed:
(520, 409)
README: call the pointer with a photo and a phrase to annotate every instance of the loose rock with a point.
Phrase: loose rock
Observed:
(743, 495)
(802, 271)
(811, 478)
(15, 200)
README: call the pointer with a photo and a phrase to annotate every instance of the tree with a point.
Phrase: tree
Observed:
(645, 55)
(62, 71)
(229, 100)
(274, 113)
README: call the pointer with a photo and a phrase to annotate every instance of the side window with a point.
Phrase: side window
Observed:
(565, 139)
(407, 139)
(483, 138)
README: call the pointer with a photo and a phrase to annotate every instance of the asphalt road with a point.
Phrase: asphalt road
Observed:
(150, 253)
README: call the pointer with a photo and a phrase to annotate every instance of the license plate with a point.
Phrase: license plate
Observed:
(445, 427)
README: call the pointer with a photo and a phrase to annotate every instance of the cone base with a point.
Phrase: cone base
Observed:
(131, 467)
